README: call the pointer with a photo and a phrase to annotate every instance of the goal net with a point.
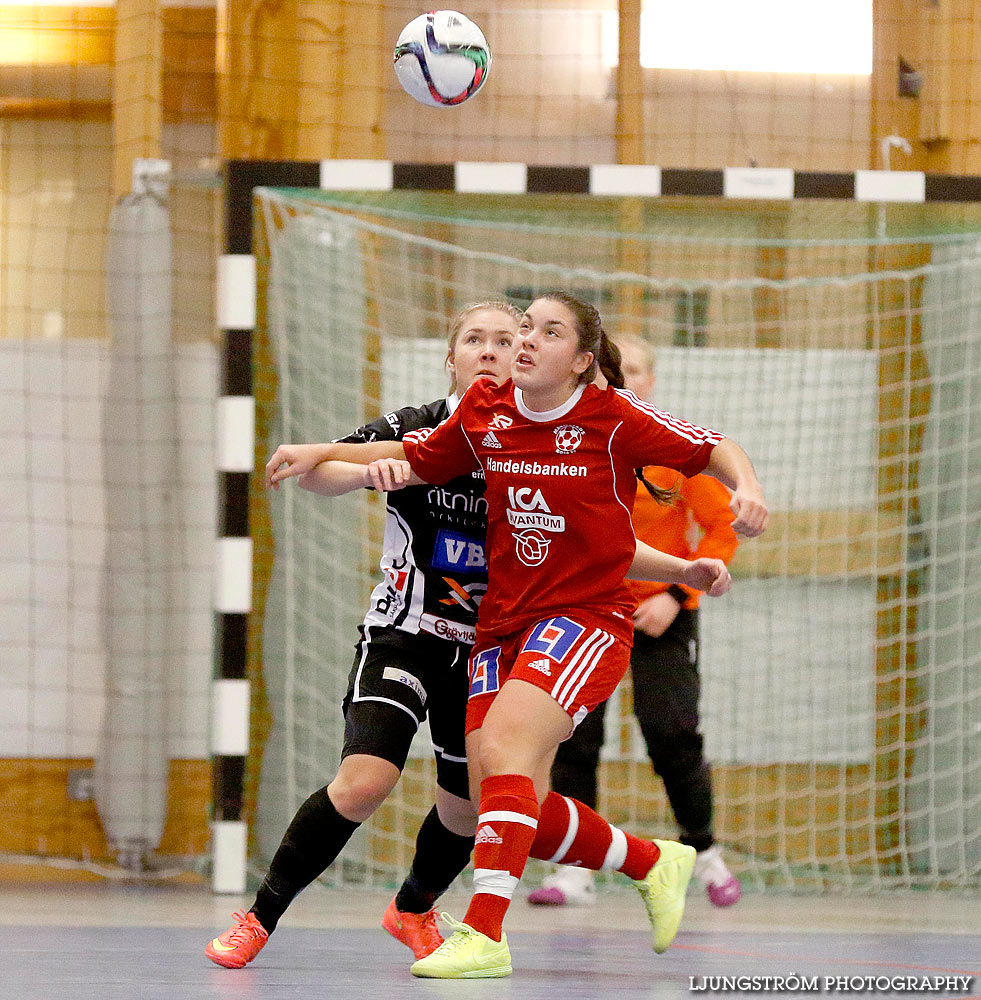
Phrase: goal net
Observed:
(840, 343)
(108, 511)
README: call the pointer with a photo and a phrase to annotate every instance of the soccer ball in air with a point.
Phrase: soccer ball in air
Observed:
(442, 58)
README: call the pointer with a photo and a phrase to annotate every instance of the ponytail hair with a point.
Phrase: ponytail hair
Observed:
(664, 497)
(609, 361)
(606, 359)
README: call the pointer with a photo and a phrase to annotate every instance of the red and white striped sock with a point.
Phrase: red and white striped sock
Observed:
(505, 830)
(570, 833)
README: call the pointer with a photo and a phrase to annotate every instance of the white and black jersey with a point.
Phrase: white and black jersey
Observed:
(433, 564)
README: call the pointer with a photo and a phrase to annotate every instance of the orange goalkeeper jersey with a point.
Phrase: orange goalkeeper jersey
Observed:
(699, 524)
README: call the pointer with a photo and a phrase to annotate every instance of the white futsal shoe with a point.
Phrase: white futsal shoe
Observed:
(568, 886)
(722, 886)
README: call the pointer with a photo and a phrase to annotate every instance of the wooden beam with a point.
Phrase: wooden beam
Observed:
(633, 254)
(44, 36)
(137, 103)
(301, 80)
(46, 109)
(896, 334)
(825, 543)
(258, 87)
(937, 27)
(630, 86)
(190, 87)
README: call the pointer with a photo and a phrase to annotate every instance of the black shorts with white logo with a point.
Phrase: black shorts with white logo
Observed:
(396, 681)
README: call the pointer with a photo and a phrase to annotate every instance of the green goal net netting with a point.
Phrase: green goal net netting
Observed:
(840, 343)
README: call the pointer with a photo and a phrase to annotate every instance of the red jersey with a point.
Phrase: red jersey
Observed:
(560, 492)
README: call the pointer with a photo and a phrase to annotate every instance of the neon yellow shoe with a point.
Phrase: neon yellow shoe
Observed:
(663, 890)
(466, 954)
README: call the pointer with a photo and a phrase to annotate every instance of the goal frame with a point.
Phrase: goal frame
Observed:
(236, 315)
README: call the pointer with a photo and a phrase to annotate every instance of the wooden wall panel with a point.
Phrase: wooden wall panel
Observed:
(40, 819)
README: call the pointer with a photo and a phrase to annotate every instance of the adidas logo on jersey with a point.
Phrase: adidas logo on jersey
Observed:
(490, 440)
(487, 835)
(543, 666)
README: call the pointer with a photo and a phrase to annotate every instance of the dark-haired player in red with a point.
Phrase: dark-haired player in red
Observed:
(555, 626)
(664, 667)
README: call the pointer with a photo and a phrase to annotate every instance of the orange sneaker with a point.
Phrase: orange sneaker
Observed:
(239, 944)
(415, 930)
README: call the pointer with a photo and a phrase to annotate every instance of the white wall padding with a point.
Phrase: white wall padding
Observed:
(140, 465)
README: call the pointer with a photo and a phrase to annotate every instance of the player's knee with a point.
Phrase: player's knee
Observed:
(357, 796)
(502, 753)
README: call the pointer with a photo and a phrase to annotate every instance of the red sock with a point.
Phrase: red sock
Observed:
(570, 833)
(505, 829)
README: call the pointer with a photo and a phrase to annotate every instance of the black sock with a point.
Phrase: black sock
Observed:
(440, 856)
(312, 841)
(700, 841)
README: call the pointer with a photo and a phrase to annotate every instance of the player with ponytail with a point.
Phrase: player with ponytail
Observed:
(664, 664)
(607, 360)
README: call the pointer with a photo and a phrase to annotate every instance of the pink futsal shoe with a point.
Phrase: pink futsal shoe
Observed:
(722, 886)
(416, 931)
(239, 944)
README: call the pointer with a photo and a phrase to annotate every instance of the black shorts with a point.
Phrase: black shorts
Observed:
(396, 681)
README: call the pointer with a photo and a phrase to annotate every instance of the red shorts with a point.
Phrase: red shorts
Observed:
(575, 659)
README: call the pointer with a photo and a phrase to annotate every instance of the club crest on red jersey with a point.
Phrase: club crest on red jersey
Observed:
(532, 547)
(530, 514)
(568, 437)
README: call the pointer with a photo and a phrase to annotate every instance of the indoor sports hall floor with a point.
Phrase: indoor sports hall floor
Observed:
(95, 942)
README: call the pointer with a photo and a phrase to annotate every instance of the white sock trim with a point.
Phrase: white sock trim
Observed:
(617, 854)
(494, 883)
(570, 834)
(507, 816)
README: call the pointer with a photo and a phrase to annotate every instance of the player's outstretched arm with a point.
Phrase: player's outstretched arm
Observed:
(732, 466)
(334, 479)
(294, 460)
(290, 460)
(708, 575)
(653, 564)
